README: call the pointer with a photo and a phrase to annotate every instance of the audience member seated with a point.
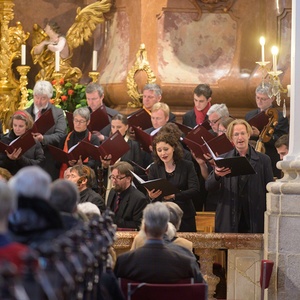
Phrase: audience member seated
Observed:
(155, 262)
(124, 199)
(90, 209)
(202, 103)
(84, 178)
(264, 102)
(35, 220)
(64, 197)
(5, 174)
(94, 96)
(9, 251)
(176, 214)
(20, 122)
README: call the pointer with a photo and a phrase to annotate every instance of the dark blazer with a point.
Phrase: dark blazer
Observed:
(281, 128)
(33, 156)
(52, 137)
(154, 263)
(186, 180)
(189, 118)
(89, 195)
(252, 188)
(130, 212)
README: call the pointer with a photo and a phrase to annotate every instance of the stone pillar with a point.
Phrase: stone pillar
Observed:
(282, 223)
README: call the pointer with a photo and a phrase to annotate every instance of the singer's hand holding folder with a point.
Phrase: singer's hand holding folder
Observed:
(75, 152)
(239, 165)
(25, 142)
(161, 184)
(115, 146)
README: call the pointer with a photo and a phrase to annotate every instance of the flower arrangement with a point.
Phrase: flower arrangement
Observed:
(72, 95)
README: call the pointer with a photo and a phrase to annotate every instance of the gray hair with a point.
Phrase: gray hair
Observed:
(153, 87)
(64, 195)
(43, 88)
(220, 109)
(83, 112)
(8, 200)
(94, 86)
(156, 217)
(176, 213)
(31, 182)
(263, 89)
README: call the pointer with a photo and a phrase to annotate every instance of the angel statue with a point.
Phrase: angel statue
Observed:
(49, 40)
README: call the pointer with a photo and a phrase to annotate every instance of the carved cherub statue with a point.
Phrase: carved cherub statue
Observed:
(49, 40)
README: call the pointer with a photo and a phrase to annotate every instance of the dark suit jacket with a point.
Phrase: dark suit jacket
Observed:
(130, 212)
(111, 112)
(186, 180)
(189, 118)
(154, 263)
(281, 128)
(52, 137)
(251, 188)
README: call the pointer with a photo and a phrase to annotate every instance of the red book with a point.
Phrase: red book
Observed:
(115, 145)
(219, 145)
(259, 121)
(198, 133)
(44, 122)
(185, 129)
(140, 118)
(25, 142)
(143, 138)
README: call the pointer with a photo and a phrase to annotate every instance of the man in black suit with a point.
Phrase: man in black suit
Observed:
(124, 199)
(94, 96)
(42, 93)
(263, 102)
(155, 262)
(202, 103)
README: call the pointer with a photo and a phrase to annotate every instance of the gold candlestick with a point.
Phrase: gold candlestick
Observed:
(94, 76)
(57, 76)
(23, 71)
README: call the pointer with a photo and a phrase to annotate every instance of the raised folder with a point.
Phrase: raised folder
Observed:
(25, 142)
(239, 165)
(162, 184)
(144, 138)
(259, 121)
(98, 120)
(140, 118)
(44, 122)
(115, 145)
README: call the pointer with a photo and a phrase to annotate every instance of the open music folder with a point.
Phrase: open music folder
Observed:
(140, 118)
(162, 184)
(115, 145)
(98, 120)
(239, 165)
(25, 142)
(44, 122)
(144, 138)
(259, 121)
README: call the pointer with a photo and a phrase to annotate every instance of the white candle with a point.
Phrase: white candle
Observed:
(23, 55)
(95, 54)
(262, 43)
(57, 61)
(274, 51)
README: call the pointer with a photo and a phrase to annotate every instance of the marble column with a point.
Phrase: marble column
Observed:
(282, 223)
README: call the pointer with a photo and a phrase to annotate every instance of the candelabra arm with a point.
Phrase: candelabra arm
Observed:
(23, 71)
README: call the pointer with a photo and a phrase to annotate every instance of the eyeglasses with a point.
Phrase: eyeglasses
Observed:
(112, 177)
(79, 121)
(214, 122)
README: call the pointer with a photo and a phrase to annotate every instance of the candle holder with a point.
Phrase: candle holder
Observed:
(57, 76)
(94, 76)
(23, 71)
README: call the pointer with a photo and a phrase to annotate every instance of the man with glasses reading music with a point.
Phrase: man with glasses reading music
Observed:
(216, 113)
(124, 199)
(264, 102)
